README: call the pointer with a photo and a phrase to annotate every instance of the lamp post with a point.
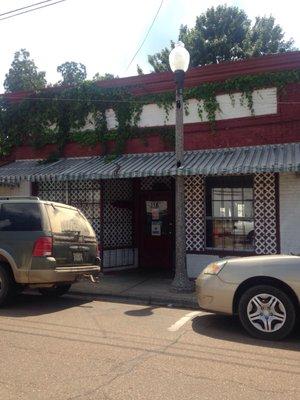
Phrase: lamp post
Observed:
(179, 59)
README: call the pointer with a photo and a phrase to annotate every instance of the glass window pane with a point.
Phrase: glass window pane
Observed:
(20, 217)
(228, 235)
(217, 209)
(216, 194)
(227, 209)
(243, 209)
(227, 193)
(239, 209)
(244, 235)
(248, 209)
(217, 234)
(67, 221)
(237, 193)
(248, 194)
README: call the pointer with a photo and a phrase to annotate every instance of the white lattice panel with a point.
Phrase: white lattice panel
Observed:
(117, 222)
(195, 213)
(53, 191)
(265, 214)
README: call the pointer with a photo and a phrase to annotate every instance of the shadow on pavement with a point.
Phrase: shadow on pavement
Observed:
(142, 312)
(27, 305)
(229, 328)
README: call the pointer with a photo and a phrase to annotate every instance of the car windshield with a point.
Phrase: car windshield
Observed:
(68, 221)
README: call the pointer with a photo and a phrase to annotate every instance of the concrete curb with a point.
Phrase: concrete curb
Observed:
(146, 300)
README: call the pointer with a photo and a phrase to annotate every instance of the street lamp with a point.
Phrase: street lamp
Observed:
(179, 59)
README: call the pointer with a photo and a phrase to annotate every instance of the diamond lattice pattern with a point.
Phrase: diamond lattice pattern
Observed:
(117, 222)
(195, 212)
(265, 214)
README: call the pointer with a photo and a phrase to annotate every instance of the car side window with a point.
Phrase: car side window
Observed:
(20, 217)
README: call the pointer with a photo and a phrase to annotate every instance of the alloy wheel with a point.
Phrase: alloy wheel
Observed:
(266, 312)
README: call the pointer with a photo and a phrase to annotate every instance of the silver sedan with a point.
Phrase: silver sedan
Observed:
(264, 291)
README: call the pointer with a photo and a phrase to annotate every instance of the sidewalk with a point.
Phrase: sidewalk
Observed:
(126, 286)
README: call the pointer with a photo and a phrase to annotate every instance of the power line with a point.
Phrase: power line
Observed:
(32, 9)
(154, 19)
(23, 8)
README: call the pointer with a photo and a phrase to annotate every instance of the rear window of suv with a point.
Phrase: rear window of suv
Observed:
(20, 217)
(68, 221)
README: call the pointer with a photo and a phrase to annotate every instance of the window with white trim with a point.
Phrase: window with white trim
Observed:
(229, 214)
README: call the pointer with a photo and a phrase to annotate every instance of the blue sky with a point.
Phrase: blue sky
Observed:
(104, 34)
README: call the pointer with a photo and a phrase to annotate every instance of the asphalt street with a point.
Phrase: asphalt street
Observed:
(84, 349)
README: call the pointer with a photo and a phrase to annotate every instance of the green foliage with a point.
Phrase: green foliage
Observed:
(107, 76)
(266, 37)
(23, 74)
(73, 73)
(225, 33)
(59, 115)
(53, 116)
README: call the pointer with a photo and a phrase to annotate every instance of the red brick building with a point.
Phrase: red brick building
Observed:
(242, 177)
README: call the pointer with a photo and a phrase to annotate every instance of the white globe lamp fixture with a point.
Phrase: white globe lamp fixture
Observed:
(179, 58)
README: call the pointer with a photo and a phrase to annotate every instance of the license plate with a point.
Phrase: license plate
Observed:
(78, 257)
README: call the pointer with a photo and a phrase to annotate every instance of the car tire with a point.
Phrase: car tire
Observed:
(55, 291)
(6, 285)
(267, 312)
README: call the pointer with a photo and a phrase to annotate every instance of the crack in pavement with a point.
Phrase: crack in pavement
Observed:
(196, 376)
(128, 366)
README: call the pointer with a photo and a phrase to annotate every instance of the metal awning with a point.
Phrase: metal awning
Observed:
(243, 160)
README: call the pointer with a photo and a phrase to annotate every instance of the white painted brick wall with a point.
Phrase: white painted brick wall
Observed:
(289, 189)
(264, 103)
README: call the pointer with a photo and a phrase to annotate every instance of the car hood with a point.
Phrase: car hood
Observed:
(255, 260)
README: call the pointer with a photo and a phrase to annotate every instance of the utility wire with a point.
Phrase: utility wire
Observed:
(154, 19)
(32, 9)
(23, 8)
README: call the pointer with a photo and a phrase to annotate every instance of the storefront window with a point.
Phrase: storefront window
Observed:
(229, 214)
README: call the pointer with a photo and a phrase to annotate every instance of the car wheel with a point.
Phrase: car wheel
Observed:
(55, 291)
(6, 285)
(267, 312)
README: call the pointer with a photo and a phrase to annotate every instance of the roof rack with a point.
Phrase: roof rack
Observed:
(19, 198)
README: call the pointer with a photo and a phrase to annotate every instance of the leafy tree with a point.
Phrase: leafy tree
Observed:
(23, 74)
(105, 77)
(225, 33)
(72, 73)
(266, 37)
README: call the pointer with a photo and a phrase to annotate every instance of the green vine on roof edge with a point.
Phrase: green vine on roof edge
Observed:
(58, 116)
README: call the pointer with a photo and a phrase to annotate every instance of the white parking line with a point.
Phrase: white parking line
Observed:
(178, 324)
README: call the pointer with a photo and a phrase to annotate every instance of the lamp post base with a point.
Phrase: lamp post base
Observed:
(182, 284)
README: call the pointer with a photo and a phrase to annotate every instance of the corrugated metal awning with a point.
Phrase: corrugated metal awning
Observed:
(243, 160)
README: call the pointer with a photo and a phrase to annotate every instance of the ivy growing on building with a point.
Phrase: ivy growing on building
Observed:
(58, 115)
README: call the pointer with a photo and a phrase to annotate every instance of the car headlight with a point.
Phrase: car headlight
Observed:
(214, 268)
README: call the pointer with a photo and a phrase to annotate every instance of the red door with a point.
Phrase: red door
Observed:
(156, 230)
